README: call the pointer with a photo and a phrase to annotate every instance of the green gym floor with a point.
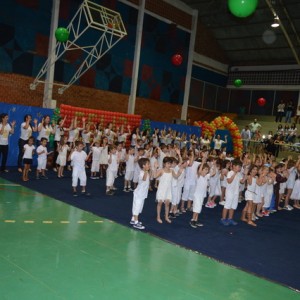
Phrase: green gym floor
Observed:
(50, 250)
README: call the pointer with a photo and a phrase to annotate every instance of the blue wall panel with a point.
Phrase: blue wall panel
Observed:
(17, 113)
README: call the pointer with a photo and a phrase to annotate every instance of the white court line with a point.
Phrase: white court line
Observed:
(10, 184)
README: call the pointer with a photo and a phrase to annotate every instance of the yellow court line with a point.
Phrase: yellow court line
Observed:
(51, 222)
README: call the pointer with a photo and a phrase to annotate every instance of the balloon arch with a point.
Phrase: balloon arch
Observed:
(220, 123)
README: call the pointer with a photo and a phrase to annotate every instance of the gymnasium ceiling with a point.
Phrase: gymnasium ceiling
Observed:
(252, 40)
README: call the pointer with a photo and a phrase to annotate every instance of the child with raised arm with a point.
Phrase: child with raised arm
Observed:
(234, 179)
(129, 172)
(140, 193)
(27, 157)
(200, 192)
(78, 158)
(96, 150)
(189, 183)
(177, 183)
(250, 196)
(112, 170)
(164, 190)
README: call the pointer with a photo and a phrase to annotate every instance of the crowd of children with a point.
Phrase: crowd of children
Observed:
(184, 172)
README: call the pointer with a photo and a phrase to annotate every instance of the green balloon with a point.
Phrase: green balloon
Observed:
(238, 83)
(242, 8)
(62, 34)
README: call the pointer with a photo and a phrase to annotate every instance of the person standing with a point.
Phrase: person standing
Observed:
(289, 111)
(26, 133)
(246, 137)
(254, 127)
(6, 129)
(280, 111)
(297, 117)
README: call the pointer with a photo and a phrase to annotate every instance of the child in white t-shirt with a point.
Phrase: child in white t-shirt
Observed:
(141, 192)
(129, 169)
(112, 170)
(27, 157)
(78, 158)
(189, 183)
(42, 153)
(96, 154)
(234, 179)
(200, 191)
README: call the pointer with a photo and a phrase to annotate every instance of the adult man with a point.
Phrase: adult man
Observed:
(246, 137)
(254, 126)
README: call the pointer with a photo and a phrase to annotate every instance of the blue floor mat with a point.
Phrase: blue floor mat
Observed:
(269, 250)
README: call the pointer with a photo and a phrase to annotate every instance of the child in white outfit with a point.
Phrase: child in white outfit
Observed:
(61, 160)
(112, 170)
(42, 153)
(96, 154)
(189, 182)
(200, 192)
(164, 190)
(27, 157)
(234, 178)
(129, 169)
(140, 193)
(78, 158)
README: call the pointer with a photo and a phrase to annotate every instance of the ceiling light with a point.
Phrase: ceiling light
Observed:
(275, 22)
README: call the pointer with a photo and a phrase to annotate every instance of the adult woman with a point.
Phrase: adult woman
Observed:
(205, 142)
(218, 142)
(5, 130)
(109, 133)
(45, 129)
(135, 135)
(26, 133)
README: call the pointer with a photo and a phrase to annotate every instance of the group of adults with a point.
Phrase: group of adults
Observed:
(27, 128)
(287, 110)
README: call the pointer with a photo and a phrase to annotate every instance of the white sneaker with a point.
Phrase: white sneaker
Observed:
(139, 226)
(132, 222)
(222, 203)
(288, 207)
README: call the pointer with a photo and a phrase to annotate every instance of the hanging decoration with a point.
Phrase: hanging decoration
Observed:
(62, 34)
(238, 83)
(177, 59)
(242, 8)
(261, 101)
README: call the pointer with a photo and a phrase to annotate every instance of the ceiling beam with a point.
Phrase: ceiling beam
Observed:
(284, 32)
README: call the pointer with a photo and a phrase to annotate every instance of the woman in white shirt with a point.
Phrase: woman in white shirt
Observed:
(26, 133)
(135, 136)
(6, 130)
(45, 129)
(205, 142)
(218, 142)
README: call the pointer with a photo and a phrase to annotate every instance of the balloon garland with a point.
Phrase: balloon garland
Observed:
(223, 122)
